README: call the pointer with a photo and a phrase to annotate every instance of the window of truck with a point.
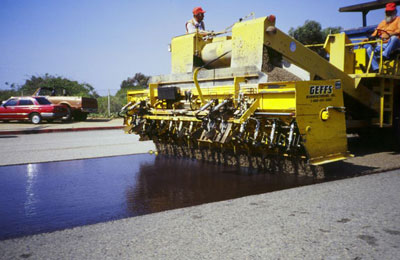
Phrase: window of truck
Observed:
(42, 101)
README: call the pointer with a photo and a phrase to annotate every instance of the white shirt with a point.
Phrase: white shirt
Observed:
(192, 26)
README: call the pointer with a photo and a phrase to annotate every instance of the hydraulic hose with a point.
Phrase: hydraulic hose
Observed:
(196, 83)
(196, 71)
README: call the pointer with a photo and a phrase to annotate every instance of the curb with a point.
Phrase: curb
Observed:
(41, 131)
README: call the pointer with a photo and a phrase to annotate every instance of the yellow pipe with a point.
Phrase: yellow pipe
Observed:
(347, 44)
(361, 43)
(196, 82)
(314, 45)
(370, 61)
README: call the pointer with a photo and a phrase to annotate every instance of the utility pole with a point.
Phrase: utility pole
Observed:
(109, 104)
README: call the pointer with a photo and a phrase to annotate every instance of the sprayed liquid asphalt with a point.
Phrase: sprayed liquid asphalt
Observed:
(45, 197)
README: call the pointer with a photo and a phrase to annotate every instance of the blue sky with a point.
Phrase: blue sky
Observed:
(102, 42)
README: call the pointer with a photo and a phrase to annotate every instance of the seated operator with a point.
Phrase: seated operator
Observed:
(196, 24)
(388, 30)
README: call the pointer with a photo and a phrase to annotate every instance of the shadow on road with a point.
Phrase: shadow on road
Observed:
(365, 145)
(374, 144)
(342, 169)
(97, 120)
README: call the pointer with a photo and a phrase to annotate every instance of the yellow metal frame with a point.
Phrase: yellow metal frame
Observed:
(324, 136)
(325, 139)
(315, 107)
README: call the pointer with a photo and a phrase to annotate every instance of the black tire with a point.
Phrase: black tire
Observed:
(35, 118)
(80, 116)
(68, 117)
(84, 117)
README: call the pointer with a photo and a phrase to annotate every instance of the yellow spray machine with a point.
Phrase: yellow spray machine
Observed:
(258, 94)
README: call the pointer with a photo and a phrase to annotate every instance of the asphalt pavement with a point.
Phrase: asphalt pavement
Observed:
(23, 142)
(29, 143)
(356, 218)
(20, 127)
(61, 146)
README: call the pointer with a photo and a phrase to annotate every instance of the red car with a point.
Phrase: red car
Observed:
(31, 108)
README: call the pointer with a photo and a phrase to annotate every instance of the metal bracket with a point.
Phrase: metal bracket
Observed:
(324, 114)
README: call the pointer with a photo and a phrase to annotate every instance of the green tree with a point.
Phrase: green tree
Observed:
(331, 30)
(311, 32)
(7, 93)
(138, 80)
(73, 88)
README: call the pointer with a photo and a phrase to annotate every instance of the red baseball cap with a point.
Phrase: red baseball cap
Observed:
(390, 7)
(198, 10)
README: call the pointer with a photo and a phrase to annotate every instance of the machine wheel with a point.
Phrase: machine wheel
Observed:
(35, 118)
(80, 116)
(68, 117)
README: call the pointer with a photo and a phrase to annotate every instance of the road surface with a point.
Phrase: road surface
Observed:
(34, 148)
(357, 218)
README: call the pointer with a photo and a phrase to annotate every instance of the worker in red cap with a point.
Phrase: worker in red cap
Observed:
(389, 31)
(196, 24)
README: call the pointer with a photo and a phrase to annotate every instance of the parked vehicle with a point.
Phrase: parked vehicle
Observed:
(77, 107)
(33, 109)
